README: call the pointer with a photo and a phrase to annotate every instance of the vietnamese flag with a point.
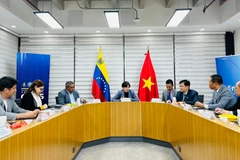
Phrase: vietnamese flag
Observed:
(148, 88)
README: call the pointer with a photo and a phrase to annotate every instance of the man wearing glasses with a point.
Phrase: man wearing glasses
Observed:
(186, 94)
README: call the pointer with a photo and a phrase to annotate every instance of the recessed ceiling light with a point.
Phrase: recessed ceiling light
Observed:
(46, 32)
(177, 17)
(13, 26)
(48, 18)
(112, 19)
(202, 29)
(97, 31)
(149, 30)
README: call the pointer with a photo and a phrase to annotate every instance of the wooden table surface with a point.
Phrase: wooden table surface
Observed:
(199, 138)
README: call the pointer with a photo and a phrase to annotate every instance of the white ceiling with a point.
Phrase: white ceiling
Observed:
(154, 16)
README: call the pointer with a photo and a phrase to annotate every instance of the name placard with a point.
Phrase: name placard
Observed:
(188, 107)
(156, 100)
(125, 100)
(209, 115)
(65, 109)
(42, 116)
(96, 101)
(3, 120)
(5, 131)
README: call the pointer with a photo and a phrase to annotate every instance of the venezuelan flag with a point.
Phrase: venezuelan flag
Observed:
(100, 83)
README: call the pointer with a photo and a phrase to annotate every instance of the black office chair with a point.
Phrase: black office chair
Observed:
(18, 102)
(56, 98)
(201, 98)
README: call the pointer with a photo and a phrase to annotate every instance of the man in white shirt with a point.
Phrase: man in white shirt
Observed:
(169, 93)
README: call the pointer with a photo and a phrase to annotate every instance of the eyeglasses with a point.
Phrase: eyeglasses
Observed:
(182, 86)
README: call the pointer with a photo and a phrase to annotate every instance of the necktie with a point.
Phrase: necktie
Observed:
(4, 107)
(169, 96)
(184, 96)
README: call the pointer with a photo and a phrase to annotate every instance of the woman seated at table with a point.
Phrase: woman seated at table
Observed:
(235, 107)
(126, 92)
(31, 100)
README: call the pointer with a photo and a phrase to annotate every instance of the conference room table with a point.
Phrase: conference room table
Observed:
(60, 137)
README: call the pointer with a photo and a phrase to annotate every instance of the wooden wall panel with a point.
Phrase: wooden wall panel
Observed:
(200, 138)
(39, 140)
(154, 120)
(78, 127)
(126, 119)
(179, 130)
(96, 121)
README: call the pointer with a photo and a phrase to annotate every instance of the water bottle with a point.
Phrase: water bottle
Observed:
(174, 100)
(238, 113)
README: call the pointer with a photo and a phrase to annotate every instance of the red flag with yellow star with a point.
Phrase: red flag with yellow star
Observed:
(148, 88)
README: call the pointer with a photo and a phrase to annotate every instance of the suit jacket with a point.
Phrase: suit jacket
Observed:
(64, 98)
(28, 102)
(222, 99)
(235, 107)
(12, 109)
(190, 98)
(120, 94)
(165, 94)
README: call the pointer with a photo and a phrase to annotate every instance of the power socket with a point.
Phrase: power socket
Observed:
(179, 149)
(74, 149)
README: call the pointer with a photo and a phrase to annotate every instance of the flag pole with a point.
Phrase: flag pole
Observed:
(148, 48)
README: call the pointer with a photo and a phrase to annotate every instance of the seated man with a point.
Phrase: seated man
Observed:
(186, 94)
(125, 93)
(8, 107)
(68, 95)
(235, 107)
(169, 93)
(222, 96)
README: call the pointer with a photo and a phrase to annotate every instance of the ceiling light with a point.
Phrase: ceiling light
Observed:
(202, 29)
(112, 19)
(48, 18)
(97, 31)
(13, 26)
(149, 30)
(177, 17)
(46, 32)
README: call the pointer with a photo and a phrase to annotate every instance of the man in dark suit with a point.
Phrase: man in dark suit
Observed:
(222, 96)
(8, 107)
(68, 95)
(186, 94)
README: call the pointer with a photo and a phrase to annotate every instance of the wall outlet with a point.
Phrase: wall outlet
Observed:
(74, 149)
(179, 149)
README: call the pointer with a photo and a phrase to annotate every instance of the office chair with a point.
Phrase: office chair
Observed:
(56, 98)
(18, 102)
(201, 98)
